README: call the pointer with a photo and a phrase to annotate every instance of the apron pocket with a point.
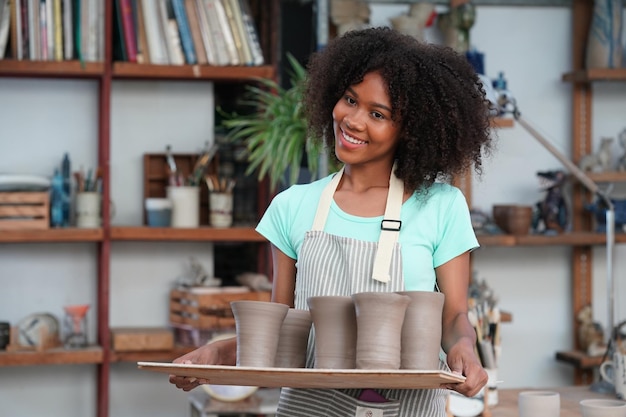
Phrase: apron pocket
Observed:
(332, 403)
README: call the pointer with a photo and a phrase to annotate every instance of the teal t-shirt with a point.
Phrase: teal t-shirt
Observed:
(434, 229)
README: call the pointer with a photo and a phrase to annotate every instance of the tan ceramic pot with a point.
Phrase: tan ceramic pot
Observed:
(258, 329)
(334, 323)
(379, 318)
(293, 339)
(421, 331)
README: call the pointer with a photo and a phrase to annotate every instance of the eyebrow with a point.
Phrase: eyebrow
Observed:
(382, 106)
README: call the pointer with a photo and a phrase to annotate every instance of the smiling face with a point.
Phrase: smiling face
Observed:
(364, 130)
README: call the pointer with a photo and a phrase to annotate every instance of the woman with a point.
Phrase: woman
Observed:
(400, 115)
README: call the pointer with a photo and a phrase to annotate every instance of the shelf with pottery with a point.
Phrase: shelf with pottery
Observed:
(52, 356)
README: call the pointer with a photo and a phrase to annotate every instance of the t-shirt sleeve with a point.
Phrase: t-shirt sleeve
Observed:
(457, 235)
(275, 223)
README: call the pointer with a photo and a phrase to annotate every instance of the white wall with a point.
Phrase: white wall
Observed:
(41, 119)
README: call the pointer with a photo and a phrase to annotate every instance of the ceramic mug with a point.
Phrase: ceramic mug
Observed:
(614, 372)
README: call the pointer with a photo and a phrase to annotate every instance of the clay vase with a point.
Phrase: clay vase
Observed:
(421, 331)
(258, 326)
(604, 47)
(334, 322)
(379, 318)
(539, 403)
(293, 339)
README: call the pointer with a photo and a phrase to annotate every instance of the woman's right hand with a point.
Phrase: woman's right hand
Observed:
(222, 352)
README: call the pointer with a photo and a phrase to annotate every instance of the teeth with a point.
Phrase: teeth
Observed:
(352, 140)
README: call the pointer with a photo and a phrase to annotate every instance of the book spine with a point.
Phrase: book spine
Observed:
(205, 31)
(58, 31)
(43, 30)
(237, 39)
(5, 25)
(143, 55)
(184, 31)
(253, 37)
(156, 47)
(128, 30)
(194, 28)
(32, 41)
(16, 30)
(50, 28)
(221, 54)
(227, 34)
(68, 37)
(25, 29)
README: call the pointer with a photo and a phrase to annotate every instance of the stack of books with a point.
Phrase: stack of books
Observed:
(179, 32)
(52, 30)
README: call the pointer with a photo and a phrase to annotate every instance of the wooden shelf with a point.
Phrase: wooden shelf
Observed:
(56, 356)
(563, 239)
(191, 72)
(145, 233)
(579, 359)
(60, 69)
(51, 235)
(596, 74)
(613, 176)
(156, 356)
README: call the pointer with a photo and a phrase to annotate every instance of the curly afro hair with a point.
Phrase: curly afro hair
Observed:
(435, 94)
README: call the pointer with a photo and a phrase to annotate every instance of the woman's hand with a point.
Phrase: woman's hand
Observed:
(463, 361)
(222, 352)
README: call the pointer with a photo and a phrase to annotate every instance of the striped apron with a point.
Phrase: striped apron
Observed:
(334, 265)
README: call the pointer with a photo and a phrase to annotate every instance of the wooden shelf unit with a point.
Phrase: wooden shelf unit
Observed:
(582, 80)
(156, 356)
(267, 15)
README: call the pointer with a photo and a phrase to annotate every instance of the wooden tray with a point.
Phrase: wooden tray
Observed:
(307, 378)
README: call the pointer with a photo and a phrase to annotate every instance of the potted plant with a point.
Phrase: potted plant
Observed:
(275, 132)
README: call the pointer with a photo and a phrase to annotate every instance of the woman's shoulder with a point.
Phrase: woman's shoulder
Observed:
(440, 192)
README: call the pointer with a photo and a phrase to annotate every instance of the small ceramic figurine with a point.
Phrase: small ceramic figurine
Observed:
(553, 210)
(600, 160)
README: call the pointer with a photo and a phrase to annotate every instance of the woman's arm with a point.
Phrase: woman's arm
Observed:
(458, 335)
(284, 277)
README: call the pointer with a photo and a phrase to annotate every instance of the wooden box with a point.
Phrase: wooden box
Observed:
(24, 210)
(138, 339)
(156, 178)
(209, 308)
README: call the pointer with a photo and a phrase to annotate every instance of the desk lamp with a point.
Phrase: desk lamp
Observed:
(507, 104)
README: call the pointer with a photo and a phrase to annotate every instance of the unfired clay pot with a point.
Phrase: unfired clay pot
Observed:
(603, 408)
(421, 331)
(293, 339)
(258, 328)
(379, 318)
(334, 322)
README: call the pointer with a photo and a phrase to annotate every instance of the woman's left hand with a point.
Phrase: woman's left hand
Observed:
(463, 361)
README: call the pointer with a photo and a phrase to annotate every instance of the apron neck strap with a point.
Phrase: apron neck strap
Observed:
(390, 225)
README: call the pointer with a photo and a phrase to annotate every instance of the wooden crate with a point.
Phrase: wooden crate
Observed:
(209, 308)
(140, 339)
(156, 179)
(24, 210)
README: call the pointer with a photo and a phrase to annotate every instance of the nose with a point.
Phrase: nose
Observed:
(353, 121)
